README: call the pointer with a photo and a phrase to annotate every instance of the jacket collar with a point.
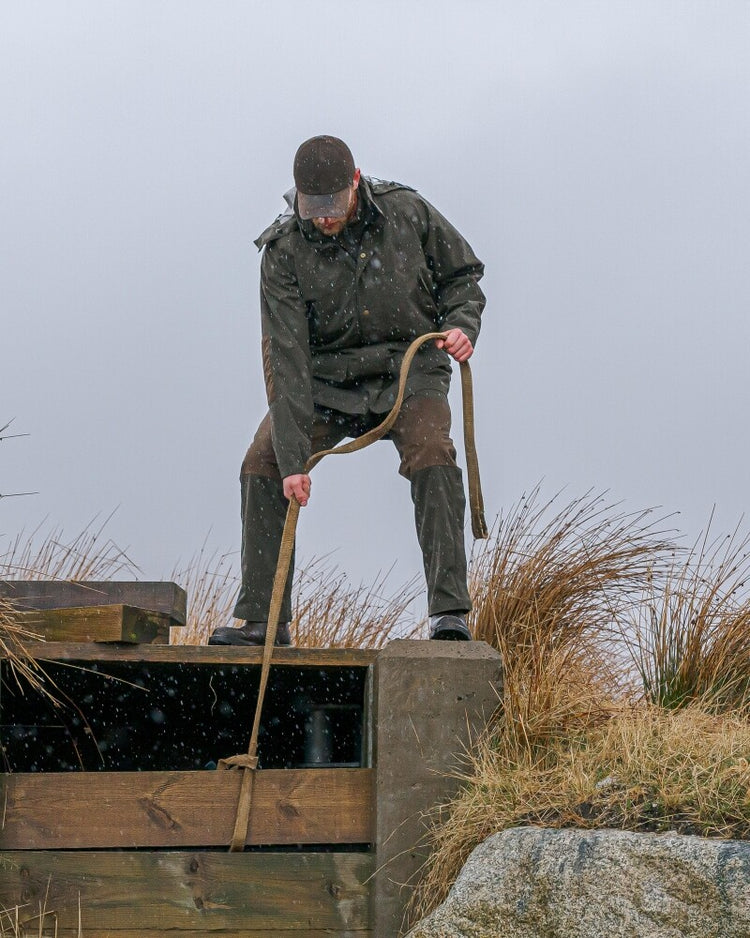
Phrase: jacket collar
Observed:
(286, 221)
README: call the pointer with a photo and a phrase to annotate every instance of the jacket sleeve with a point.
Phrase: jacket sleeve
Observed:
(286, 360)
(456, 274)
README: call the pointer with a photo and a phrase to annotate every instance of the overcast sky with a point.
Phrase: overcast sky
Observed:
(594, 154)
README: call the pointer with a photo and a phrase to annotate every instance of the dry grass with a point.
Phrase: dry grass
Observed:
(21, 922)
(328, 612)
(49, 556)
(211, 582)
(25, 671)
(572, 746)
(40, 556)
(550, 588)
(645, 769)
(690, 639)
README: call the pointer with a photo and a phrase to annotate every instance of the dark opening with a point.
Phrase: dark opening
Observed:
(145, 716)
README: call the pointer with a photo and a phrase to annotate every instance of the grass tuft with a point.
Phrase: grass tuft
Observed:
(211, 582)
(25, 670)
(550, 588)
(690, 637)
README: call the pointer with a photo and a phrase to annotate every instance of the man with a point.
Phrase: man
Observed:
(355, 271)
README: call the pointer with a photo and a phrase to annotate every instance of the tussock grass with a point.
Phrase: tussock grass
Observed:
(644, 769)
(550, 589)
(690, 638)
(571, 600)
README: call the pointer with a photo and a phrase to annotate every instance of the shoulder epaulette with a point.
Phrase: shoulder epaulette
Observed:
(380, 186)
(282, 225)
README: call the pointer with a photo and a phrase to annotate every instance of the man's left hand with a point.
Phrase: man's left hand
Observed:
(457, 344)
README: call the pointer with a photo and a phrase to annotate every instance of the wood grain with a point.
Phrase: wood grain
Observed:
(110, 623)
(151, 893)
(75, 810)
(94, 932)
(163, 596)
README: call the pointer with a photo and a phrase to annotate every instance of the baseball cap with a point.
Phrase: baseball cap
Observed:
(323, 172)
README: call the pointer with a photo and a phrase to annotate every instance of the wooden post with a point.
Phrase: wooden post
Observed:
(429, 698)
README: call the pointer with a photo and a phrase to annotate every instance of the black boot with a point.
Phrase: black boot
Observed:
(450, 627)
(251, 633)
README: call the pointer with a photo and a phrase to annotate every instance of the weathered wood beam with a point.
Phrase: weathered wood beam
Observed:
(153, 893)
(164, 597)
(74, 810)
(112, 623)
(202, 654)
(94, 932)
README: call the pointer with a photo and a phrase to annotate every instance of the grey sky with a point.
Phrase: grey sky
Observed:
(594, 154)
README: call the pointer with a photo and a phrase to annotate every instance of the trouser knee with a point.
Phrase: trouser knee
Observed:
(422, 434)
(260, 459)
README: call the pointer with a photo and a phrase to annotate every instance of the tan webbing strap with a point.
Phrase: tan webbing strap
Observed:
(476, 502)
(248, 763)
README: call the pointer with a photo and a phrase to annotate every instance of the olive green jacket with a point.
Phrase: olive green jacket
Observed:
(339, 313)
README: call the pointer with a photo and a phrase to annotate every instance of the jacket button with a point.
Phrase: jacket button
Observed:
(363, 255)
(365, 312)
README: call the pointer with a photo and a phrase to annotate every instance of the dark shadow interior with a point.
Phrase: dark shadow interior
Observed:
(138, 716)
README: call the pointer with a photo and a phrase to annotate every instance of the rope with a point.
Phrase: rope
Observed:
(248, 762)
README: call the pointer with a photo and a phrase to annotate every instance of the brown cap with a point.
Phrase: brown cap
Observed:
(323, 172)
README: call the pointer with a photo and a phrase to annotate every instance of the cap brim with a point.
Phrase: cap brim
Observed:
(335, 205)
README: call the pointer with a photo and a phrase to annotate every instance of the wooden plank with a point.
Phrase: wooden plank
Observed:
(182, 933)
(149, 892)
(112, 623)
(57, 810)
(202, 654)
(164, 597)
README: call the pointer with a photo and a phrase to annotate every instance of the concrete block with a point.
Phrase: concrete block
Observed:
(429, 700)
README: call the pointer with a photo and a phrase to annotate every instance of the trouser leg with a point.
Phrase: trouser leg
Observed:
(428, 460)
(263, 508)
(439, 506)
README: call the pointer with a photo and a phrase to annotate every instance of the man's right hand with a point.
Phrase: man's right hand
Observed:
(298, 487)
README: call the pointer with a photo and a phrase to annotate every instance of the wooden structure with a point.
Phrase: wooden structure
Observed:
(115, 815)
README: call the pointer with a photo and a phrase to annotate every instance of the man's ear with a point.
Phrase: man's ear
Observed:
(355, 179)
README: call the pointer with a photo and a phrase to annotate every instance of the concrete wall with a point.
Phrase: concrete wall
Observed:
(429, 699)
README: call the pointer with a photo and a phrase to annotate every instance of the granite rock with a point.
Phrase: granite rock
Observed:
(539, 883)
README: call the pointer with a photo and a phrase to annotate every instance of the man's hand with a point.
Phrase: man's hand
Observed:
(298, 487)
(457, 344)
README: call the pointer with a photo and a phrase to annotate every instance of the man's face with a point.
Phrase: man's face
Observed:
(331, 227)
